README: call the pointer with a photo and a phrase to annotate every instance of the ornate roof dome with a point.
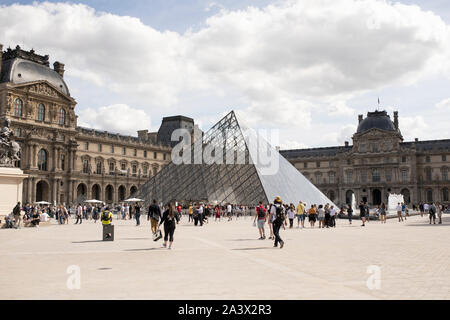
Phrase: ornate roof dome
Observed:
(25, 66)
(378, 120)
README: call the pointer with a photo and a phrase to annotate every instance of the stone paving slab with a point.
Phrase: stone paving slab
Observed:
(224, 260)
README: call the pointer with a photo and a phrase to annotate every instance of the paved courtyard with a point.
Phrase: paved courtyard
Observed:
(224, 260)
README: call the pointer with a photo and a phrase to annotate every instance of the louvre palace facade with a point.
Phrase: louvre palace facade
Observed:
(378, 162)
(66, 163)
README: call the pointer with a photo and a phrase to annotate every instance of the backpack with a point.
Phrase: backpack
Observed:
(105, 216)
(279, 214)
(261, 213)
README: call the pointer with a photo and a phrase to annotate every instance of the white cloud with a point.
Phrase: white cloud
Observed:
(444, 105)
(413, 127)
(281, 62)
(119, 118)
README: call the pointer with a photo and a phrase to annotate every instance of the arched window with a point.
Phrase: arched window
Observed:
(445, 196)
(42, 160)
(18, 106)
(41, 112)
(62, 117)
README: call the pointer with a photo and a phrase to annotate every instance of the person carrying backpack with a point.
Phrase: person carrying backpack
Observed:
(107, 216)
(261, 216)
(278, 217)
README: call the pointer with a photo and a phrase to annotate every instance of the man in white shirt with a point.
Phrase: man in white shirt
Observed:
(426, 207)
(200, 214)
(229, 212)
(79, 214)
(44, 217)
(333, 213)
(399, 212)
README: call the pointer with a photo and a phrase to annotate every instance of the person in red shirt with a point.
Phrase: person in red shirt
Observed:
(261, 215)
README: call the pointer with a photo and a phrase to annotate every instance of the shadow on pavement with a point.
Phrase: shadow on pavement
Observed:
(146, 249)
(134, 239)
(89, 241)
(259, 248)
(426, 222)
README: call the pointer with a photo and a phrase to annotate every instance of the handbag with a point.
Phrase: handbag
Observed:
(157, 235)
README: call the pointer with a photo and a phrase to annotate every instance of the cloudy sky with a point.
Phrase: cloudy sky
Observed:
(306, 67)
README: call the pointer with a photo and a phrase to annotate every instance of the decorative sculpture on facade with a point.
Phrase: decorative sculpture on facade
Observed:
(9, 149)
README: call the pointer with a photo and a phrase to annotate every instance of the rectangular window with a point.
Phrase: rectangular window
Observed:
(99, 147)
(376, 175)
(363, 177)
(99, 168)
(318, 164)
(145, 153)
(86, 166)
(388, 175)
(111, 168)
(124, 151)
(112, 149)
(427, 159)
(145, 171)
(155, 155)
(305, 165)
(445, 174)
(63, 162)
(318, 176)
(331, 177)
(428, 174)
(165, 156)
(444, 158)
(403, 159)
(123, 166)
(350, 177)
(134, 170)
(86, 146)
(135, 152)
(404, 176)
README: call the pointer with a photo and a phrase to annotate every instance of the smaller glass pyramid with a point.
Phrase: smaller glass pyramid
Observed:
(246, 169)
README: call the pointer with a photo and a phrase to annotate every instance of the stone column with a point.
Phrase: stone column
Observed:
(54, 191)
(34, 156)
(69, 161)
(29, 189)
(33, 191)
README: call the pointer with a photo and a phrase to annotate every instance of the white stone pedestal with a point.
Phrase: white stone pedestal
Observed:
(10, 189)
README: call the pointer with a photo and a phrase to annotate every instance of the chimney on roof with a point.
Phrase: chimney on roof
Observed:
(1, 57)
(346, 143)
(360, 118)
(396, 120)
(59, 68)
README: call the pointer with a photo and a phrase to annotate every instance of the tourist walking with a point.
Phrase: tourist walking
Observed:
(403, 210)
(137, 214)
(421, 209)
(260, 220)
(399, 212)
(217, 211)
(270, 223)
(169, 219)
(279, 218)
(349, 213)
(362, 213)
(312, 215)
(432, 213)
(191, 212)
(16, 214)
(382, 212)
(291, 215)
(333, 213)
(229, 212)
(439, 209)
(300, 215)
(155, 214)
(321, 216)
(79, 213)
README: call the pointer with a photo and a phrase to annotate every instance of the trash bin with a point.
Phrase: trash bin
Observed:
(108, 229)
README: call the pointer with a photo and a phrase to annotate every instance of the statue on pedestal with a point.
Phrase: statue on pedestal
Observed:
(9, 149)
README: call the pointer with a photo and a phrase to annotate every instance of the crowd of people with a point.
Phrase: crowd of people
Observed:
(276, 215)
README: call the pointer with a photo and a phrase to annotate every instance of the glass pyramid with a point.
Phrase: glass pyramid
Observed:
(246, 169)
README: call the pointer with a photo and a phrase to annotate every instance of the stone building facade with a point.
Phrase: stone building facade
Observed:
(378, 163)
(66, 163)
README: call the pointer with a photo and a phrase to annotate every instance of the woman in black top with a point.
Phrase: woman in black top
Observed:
(170, 219)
